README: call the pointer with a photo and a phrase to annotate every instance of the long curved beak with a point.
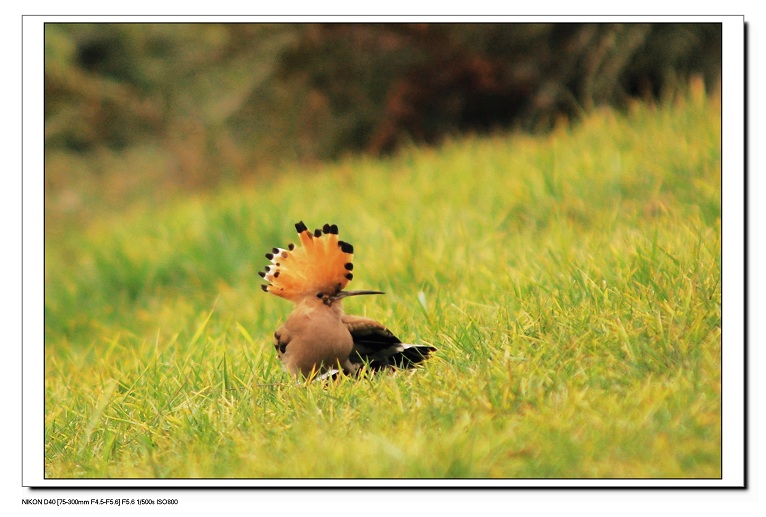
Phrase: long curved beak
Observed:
(344, 294)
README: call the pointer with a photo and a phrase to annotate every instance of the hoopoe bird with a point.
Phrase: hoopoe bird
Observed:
(318, 340)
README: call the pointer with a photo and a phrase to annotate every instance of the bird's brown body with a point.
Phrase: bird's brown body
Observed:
(313, 339)
(318, 339)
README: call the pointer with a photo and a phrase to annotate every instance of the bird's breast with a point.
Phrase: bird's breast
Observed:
(318, 340)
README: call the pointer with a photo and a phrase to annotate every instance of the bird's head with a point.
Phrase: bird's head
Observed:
(317, 269)
(330, 299)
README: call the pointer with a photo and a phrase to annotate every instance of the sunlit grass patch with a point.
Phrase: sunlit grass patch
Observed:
(571, 283)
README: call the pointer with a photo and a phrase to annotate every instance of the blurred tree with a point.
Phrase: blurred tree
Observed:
(434, 79)
(231, 97)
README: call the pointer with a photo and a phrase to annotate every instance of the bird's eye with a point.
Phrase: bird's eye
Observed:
(319, 295)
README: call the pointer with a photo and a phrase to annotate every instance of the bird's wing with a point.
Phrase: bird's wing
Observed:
(379, 347)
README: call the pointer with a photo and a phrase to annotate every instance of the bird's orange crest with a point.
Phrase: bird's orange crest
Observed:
(320, 266)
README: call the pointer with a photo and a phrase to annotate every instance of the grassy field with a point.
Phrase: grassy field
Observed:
(571, 283)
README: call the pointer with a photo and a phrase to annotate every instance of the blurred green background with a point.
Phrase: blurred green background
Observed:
(137, 112)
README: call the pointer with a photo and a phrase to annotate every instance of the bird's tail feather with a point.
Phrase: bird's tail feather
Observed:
(410, 355)
(398, 355)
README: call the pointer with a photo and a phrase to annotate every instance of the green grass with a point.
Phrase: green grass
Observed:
(572, 285)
